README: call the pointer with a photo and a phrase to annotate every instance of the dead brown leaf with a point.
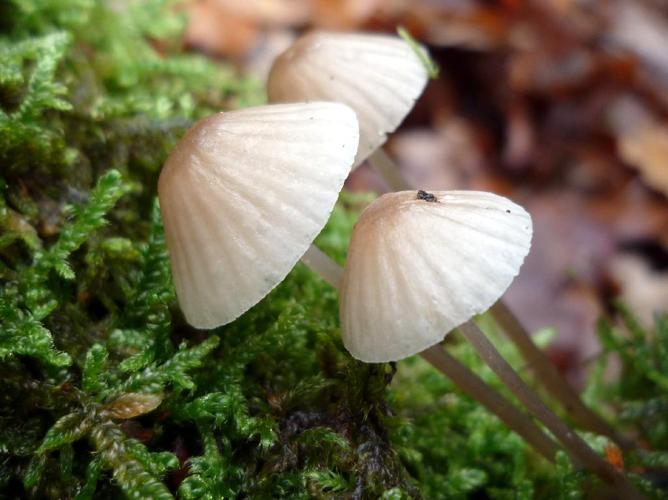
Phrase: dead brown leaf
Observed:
(218, 32)
(133, 404)
(343, 14)
(643, 289)
(647, 150)
(268, 12)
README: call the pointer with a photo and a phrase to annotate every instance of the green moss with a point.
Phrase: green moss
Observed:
(91, 340)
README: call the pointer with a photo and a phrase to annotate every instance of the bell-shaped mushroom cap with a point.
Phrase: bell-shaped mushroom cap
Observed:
(422, 264)
(379, 76)
(243, 195)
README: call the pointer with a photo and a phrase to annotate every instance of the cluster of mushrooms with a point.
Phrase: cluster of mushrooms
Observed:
(244, 194)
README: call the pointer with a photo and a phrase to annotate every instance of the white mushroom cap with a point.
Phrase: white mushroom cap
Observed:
(379, 76)
(421, 265)
(243, 195)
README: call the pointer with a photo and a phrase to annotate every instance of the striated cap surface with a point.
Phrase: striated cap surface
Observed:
(243, 195)
(421, 264)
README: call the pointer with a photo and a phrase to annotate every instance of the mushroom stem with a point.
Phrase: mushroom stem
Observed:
(578, 450)
(467, 381)
(552, 380)
(477, 389)
(322, 264)
(388, 170)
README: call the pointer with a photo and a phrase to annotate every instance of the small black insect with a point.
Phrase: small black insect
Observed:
(424, 196)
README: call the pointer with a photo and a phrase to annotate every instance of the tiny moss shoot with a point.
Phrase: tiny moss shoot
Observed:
(428, 63)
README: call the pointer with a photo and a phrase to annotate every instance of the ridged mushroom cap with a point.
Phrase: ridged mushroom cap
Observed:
(421, 264)
(379, 76)
(243, 194)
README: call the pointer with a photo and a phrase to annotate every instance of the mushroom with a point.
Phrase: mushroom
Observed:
(421, 264)
(243, 195)
(380, 77)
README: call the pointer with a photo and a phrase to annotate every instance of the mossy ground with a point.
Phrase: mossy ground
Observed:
(107, 391)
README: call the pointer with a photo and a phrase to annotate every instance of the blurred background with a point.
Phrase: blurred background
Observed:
(561, 105)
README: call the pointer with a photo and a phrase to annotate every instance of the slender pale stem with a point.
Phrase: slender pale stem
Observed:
(545, 371)
(478, 390)
(577, 449)
(553, 381)
(464, 378)
(323, 265)
(388, 170)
